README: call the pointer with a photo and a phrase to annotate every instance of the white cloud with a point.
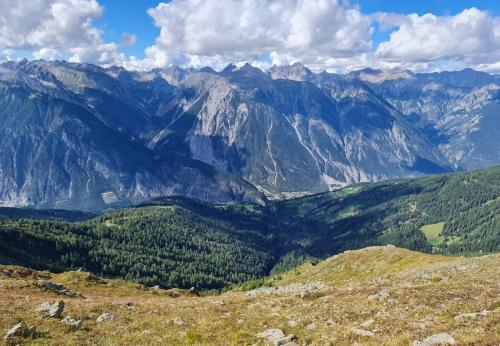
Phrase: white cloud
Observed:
(101, 53)
(323, 34)
(128, 39)
(492, 67)
(221, 31)
(56, 24)
(57, 29)
(8, 55)
(48, 54)
(472, 36)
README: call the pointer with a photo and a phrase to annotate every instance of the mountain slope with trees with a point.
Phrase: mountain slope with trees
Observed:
(180, 242)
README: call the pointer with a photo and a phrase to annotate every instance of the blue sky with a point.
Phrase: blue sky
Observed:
(130, 16)
(335, 35)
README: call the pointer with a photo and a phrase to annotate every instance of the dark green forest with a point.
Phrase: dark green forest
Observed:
(179, 242)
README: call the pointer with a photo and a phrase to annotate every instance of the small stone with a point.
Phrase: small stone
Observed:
(286, 341)
(366, 324)
(472, 315)
(20, 330)
(381, 296)
(179, 321)
(362, 332)
(74, 324)
(330, 322)
(271, 334)
(277, 337)
(51, 310)
(105, 317)
(128, 305)
(311, 326)
(292, 323)
(436, 339)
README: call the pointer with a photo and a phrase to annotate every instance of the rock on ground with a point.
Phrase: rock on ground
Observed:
(52, 310)
(20, 330)
(311, 326)
(362, 332)
(277, 337)
(296, 289)
(472, 315)
(436, 339)
(75, 324)
(292, 323)
(380, 296)
(366, 324)
(57, 288)
(105, 317)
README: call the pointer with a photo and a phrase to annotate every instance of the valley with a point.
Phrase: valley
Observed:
(181, 242)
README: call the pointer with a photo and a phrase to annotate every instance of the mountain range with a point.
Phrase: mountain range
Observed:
(80, 136)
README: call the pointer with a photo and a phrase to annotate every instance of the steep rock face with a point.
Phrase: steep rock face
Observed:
(458, 111)
(291, 137)
(87, 137)
(61, 149)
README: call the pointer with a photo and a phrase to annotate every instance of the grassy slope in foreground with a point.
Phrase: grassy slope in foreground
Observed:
(409, 296)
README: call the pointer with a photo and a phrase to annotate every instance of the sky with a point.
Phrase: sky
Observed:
(332, 35)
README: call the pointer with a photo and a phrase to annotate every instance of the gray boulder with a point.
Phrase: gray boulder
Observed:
(276, 337)
(57, 289)
(74, 324)
(51, 310)
(105, 317)
(20, 330)
(436, 339)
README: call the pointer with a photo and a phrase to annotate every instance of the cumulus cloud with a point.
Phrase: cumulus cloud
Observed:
(213, 31)
(324, 34)
(101, 53)
(327, 35)
(471, 36)
(56, 24)
(57, 29)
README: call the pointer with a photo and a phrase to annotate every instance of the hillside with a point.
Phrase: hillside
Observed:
(373, 296)
(180, 242)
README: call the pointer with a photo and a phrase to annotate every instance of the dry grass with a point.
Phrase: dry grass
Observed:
(417, 305)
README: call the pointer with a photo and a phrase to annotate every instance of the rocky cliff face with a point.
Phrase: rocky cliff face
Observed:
(74, 139)
(458, 111)
(81, 136)
(290, 136)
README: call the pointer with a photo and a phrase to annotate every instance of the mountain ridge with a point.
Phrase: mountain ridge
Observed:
(239, 134)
